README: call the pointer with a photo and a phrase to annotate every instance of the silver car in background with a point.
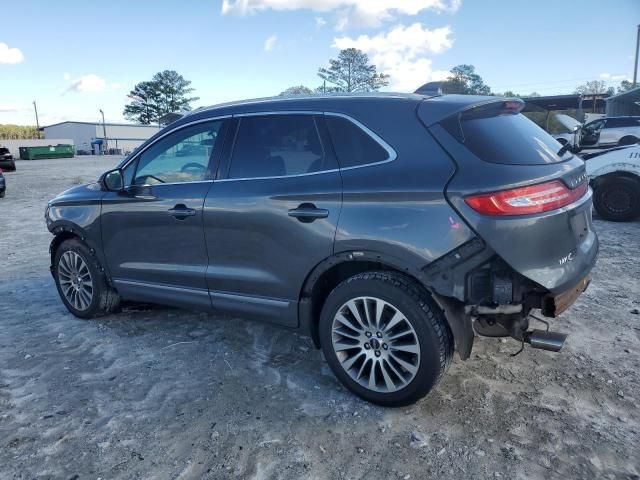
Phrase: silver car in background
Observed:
(600, 133)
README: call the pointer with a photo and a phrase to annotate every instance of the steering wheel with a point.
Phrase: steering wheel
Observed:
(193, 167)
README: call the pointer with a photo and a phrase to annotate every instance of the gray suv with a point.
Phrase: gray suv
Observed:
(389, 228)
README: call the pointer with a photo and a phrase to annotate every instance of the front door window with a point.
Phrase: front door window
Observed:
(183, 156)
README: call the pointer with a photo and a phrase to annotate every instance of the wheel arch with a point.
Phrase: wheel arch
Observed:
(60, 235)
(64, 231)
(614, 171)
(628, 140)
(333, 270)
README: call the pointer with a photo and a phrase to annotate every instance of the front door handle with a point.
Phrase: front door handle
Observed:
(181, 212)
(307, 212)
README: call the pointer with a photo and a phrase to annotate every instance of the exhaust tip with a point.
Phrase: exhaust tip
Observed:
(544, 340)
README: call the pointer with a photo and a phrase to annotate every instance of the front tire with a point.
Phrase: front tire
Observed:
(81, 283)
(617, 199)
(385, 338)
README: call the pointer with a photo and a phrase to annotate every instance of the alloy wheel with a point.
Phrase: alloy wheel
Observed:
(75, 280)
(375, 344)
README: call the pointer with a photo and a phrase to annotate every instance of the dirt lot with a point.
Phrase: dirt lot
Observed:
(165, 393)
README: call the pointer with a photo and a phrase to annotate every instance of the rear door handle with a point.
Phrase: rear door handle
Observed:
(181, 212)
(307, 212)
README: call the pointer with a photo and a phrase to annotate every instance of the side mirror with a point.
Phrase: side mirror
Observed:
(113, 180)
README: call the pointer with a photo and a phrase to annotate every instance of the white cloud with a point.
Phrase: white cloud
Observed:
(613, 78)
(87, 83)
(10, 55)
(320, 22)
(401, 53)
(369, 13)
(9, 107)
(270, 43)
(66, 76)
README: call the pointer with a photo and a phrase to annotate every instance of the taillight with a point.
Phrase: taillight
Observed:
(526, 200)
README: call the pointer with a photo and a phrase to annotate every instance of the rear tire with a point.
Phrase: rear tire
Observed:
(2, 193)
(81, 283)
(399, 349)
(617, 199)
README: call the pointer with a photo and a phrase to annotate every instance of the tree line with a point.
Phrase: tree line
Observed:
(169, 92)
(19, 132)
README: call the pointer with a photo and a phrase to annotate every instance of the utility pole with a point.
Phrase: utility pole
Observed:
(104, 130)
(35, 107)
(635, 66)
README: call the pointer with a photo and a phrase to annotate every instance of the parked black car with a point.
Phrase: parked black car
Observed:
(387, 227)
(3, 185)
(6, 160)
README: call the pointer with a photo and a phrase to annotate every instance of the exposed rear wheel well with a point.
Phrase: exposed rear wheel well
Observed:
(330, 279)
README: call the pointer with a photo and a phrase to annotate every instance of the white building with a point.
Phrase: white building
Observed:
(90, 137)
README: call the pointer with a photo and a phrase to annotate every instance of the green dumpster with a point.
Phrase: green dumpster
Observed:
(50, 151)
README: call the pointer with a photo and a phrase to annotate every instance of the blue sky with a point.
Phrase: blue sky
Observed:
(74, 57)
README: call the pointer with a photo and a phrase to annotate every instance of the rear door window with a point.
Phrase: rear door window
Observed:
(277, 146)
(353, 146)
(622, 122)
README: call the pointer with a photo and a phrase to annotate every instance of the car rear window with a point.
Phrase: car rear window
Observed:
(505, 138)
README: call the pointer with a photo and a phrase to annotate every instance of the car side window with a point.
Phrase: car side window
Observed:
(622, 122)
(353, 146)
(278, 145)
(596, 125)
(182, 156)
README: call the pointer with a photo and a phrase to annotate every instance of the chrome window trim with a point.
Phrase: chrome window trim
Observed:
(277, 112)
(169, 183)
(321, 172)
(392, 155)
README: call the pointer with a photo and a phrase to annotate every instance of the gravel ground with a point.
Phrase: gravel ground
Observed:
(166, 393)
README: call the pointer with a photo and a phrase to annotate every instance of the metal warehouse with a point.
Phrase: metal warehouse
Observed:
(96, 137)
(624, 104)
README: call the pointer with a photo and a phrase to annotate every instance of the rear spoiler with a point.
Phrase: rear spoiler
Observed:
(437, 108)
